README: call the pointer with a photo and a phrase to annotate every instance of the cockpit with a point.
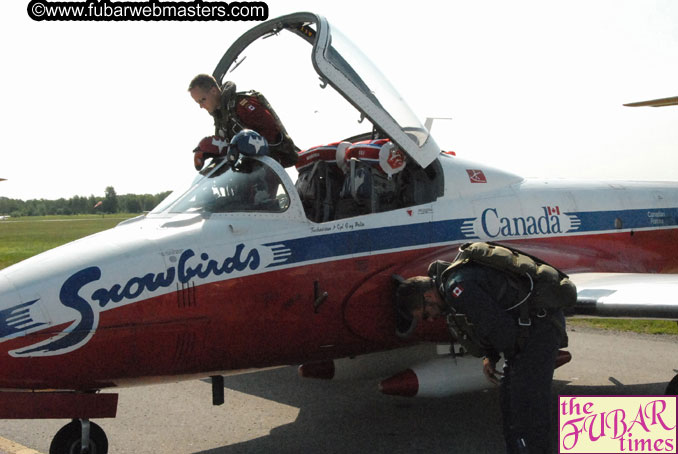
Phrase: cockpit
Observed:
(250, 186)
(362, 150)
(356, 177)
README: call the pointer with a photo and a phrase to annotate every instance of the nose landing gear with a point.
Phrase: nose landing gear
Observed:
(80, 437)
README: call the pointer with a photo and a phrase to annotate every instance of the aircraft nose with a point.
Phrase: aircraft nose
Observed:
(19, 314)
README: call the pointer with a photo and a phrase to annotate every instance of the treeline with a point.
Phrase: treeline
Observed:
(109, 203)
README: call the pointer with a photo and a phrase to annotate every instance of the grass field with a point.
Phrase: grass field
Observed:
(636, 326)
(24, 237)
(21, 238)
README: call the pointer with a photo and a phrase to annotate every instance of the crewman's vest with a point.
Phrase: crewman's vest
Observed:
(549, 288)
(251, 110)
(541, 288)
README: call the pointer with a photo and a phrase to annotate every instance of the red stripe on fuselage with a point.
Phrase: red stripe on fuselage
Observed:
(269, 319)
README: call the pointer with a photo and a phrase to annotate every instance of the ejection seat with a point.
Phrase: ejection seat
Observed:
(319, 182)
(342, 179)
(372, 170)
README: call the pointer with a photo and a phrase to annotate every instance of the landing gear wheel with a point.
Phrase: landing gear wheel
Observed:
(68, 439)
(672, 387)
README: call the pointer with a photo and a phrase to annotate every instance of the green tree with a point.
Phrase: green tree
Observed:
(110, 204)
(130, 203)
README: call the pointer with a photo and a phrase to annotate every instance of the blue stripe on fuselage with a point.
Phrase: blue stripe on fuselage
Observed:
(349, 239)
(359, 240)
(596, 221)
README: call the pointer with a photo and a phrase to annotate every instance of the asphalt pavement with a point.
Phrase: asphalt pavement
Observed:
(275, 411)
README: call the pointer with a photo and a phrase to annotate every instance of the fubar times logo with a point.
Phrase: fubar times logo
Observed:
(617, 424)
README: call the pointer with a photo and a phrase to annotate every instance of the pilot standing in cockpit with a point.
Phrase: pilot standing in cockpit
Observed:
(234, 111)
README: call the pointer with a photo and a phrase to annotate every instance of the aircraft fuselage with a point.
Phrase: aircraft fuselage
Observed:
(198, 294)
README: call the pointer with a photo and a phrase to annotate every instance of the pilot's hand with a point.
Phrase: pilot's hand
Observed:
(209, 147)
(198, 159)
(213, 146)
(490, 371)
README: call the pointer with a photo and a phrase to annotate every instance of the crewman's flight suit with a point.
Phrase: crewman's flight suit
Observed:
(483, 295)
(249, 110)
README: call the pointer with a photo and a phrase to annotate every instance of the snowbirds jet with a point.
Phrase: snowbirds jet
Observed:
(242, 269)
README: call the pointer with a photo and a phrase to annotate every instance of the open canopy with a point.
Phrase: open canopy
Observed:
(341, 66)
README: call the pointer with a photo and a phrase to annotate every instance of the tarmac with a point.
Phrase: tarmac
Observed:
(278, 412)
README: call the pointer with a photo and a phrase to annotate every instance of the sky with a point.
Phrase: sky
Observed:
(533, 87)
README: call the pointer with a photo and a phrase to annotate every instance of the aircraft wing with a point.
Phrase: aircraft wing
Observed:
(673, 101)
(627, 295)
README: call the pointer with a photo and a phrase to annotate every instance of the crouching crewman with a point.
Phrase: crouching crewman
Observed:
(501, 302)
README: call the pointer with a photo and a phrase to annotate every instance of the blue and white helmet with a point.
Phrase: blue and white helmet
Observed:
(247, 143)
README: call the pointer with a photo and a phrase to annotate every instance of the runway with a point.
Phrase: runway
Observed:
(276, 411)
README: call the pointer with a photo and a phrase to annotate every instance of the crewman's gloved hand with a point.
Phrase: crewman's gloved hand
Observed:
(209, 147)
(490, 370)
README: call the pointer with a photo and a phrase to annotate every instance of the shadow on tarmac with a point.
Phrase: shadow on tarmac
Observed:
(348, 417)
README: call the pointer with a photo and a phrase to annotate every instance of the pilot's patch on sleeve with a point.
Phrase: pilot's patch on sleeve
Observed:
(457, 291)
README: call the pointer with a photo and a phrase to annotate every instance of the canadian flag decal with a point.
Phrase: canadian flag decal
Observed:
(476, 176)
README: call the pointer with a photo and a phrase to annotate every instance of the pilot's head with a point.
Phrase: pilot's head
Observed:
(418, 298)
(205, 90)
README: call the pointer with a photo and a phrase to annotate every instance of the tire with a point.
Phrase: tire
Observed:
(672, 387)
(67, 440)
